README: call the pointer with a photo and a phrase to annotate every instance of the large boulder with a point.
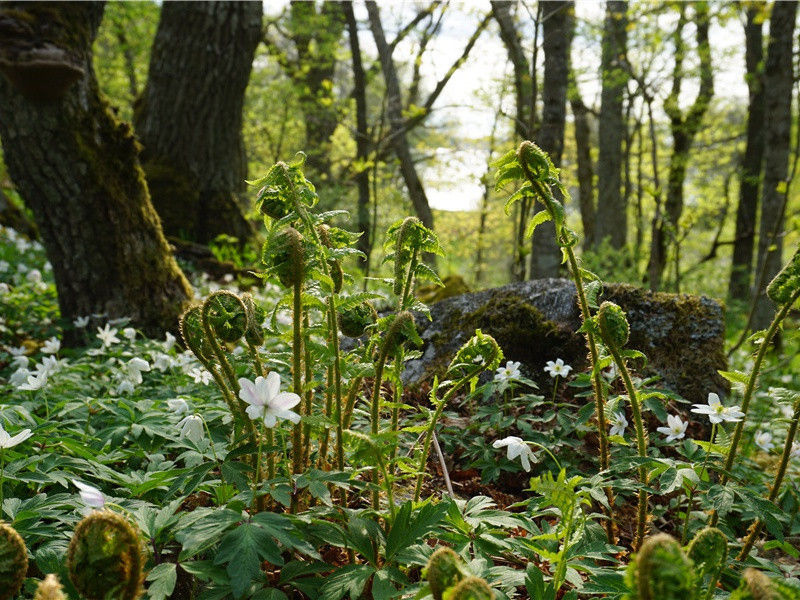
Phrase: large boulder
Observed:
(536, 321)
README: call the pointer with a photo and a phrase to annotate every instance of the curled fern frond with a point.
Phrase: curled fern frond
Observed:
(13, 562)
(355, 320)
(284, 256)
(193, 334)
(104, 557)
(227, 316)
(613, 324)
(49, 589)
(480, 353)
(661, 571)
(443, 571)
(787, 282)
(254, 334)
(470, 588)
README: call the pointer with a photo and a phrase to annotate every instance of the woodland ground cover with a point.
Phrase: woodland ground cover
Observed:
(226, 499)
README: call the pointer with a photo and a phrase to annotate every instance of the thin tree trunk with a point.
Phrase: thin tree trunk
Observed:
(524, 118)
(394, 110)
(744, 239)
(612, 221)
(778, 78)
(190, 116)
(583, 151)
(361, 135)
(77, 168)
(557, 30)
(684, 129)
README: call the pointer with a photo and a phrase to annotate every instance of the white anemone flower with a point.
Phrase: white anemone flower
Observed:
(80, 322)
(508, 373)
(48, 366)
(763, 440)
(618, 423)
(35, 382)
(675, 429)
(129, 333)
(20, 362)
(558, 368)
(126, 386)
(717, 413)
(201, 376)
(192, 428)
(19, 377)
(266, 401)
(169, 341)
(517, 448)
(90, 495)
(178, 405)
(107, 335)
(134, 367)
(9, 441)
(51, 346)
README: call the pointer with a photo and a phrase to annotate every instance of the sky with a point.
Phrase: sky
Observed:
(469, 101)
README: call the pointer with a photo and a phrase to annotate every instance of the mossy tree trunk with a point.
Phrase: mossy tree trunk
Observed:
(744, 240)
(77, 168)
(189, 119)
(778, 77)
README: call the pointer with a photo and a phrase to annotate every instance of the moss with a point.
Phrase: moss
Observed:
(454, 285)
(662, 325)
(523, 333)
(171, 191)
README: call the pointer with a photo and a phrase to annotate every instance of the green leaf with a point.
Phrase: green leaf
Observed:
(409, 528)
(350, 579)
(540, 217)
(243, 549)
(162, 580)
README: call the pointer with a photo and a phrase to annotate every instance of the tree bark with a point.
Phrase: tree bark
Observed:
(612, 219)
(394, 111)
(684, 129)
(523, 81)
(361, 135)
(583, 151)
(77, 168)
(190, 116)
(778, 78)
(315, 32)
(744, 239)
(524, 116)
(557, 30)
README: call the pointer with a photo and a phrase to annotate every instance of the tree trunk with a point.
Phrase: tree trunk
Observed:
(77, 168)
(523, 82)
(524, 117)
(743, 242)
(361, 136)
(316, 35)
(557, 29)
(190, 116)
(583, 151)
(612, 213)
(394, 111)
(778, 77)
(684, 129)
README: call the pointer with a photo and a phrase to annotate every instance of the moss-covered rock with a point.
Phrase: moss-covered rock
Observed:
(537, 321)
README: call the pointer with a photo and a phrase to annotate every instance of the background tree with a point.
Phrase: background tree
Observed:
(308, 55)
(750, 173)
(77, 168)
(525, 97)
(684, 128)
(611, 217)
(778, 78)
(189, 119)
(583, 159)
(557, 29)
